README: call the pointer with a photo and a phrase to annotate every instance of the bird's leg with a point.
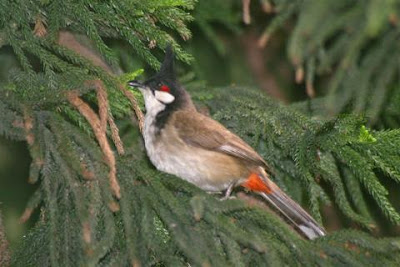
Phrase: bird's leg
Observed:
(228, 192)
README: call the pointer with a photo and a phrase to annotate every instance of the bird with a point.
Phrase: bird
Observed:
(181, 141)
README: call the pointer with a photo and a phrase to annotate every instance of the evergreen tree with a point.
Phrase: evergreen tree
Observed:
(354, 44)
(102, 203)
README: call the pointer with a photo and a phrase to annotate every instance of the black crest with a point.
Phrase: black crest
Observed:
(167, 76)
(167, 70)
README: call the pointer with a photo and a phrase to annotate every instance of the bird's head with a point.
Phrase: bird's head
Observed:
(163, 87)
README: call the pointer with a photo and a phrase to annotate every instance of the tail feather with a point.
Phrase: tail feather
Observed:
(282, 202)
(296, 214)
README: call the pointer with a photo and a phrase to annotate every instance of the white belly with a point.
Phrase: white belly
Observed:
(200, 167)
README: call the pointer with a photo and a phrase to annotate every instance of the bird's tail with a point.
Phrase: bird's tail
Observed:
(282, 202)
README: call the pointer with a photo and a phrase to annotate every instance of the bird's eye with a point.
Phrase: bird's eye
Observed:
(165, 88)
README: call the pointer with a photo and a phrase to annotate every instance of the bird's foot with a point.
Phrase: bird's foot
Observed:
(228, 193)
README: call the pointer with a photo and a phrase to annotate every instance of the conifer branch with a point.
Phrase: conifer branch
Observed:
(105, 115)
(102, 101)
(68, 40)
(101, 137)
(349, 41)
(135, 106)
(165, 221)
(115, 134)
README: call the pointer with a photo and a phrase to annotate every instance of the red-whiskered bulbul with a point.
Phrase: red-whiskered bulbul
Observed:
(181, 141)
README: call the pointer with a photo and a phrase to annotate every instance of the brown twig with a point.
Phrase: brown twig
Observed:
(101, 137)
(263, 40)
(26, 215)
(37, 162)
(40, 29)
(310, 89)
(299, 75)
(28, 125)
(113, 206)
(115, 134)
(86, 232)
(267, 7)
(102, 101)
(135, 106)
(86, 173)
(106, 115)
(246, 11)
(99, 122)
(69, 41)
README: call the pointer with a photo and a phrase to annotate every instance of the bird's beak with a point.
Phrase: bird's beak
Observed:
(137, 84)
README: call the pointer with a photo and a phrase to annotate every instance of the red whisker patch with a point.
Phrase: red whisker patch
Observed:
(165, 88)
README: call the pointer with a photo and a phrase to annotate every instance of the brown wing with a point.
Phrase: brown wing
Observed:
(209, 134)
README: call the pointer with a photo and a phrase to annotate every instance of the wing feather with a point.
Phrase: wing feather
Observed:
(207, 133)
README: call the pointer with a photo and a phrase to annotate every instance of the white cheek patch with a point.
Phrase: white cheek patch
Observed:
(164, 97)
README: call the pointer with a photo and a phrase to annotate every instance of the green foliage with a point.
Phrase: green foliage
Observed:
(209, 13)
(365, 135)
(354, 43)
(164, 220)
(8, 117)
(134, 22)
(301, 149)
(160, 219)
